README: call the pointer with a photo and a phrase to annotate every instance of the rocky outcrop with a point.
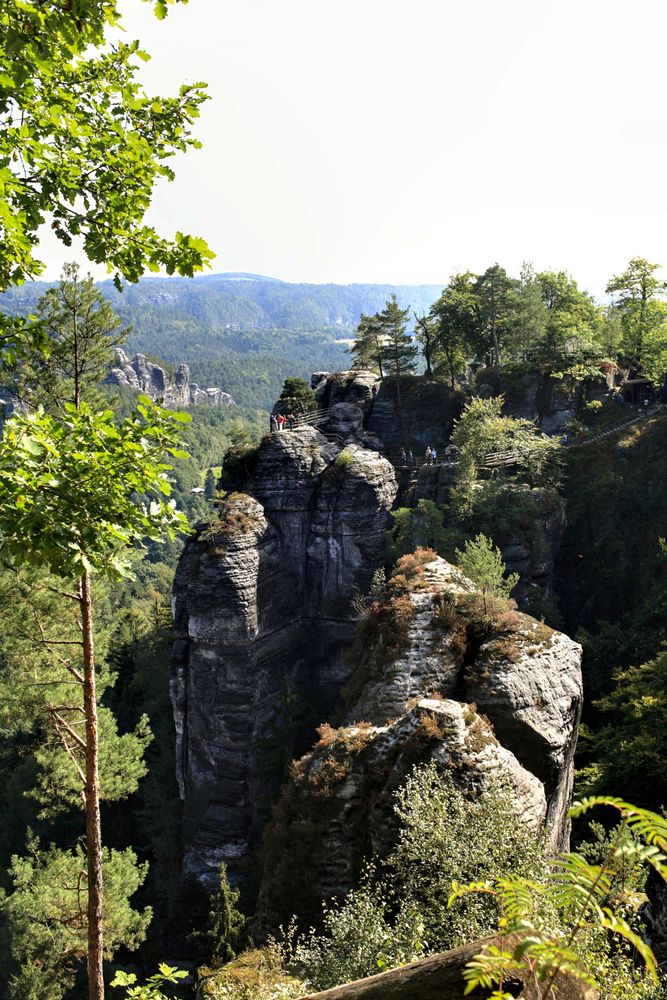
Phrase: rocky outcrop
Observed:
(415, 413)
(488, 697)
(153, 381)
(264, 601)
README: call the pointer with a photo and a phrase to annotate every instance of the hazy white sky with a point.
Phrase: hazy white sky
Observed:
(401, 140)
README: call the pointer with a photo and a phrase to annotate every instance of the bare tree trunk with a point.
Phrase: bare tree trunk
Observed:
(93, 823)
(440, 977)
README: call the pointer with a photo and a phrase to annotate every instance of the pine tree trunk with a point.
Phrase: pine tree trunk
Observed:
(93, 823)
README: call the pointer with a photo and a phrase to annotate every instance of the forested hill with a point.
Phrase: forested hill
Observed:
(245, 333)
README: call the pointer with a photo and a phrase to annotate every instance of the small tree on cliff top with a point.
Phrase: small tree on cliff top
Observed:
(296, 397)
(484, 565)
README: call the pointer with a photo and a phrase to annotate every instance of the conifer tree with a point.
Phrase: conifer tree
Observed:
(398, 353)
(76, 490)
(81, 332)
(493, 291)
(227, 933)
(368, 344)
(483, 563)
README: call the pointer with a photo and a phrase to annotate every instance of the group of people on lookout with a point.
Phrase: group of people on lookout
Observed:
(430, 456)
(280, 422)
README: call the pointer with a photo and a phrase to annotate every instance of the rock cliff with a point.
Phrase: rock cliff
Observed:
(416, 411)
(489, 697)
(153, 381)
(272, 626)
(264, 601)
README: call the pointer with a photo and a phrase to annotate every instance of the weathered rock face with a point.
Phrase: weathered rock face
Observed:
(153, 381)
(500, 704)
(416, 414)
(263, 610)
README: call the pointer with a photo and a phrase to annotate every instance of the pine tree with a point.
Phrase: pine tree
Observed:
(227, 933)
(484, 565)
(368, 343)
(81, 330)
(398, 353)
(73, 489)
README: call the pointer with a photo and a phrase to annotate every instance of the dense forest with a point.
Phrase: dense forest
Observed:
(244, 334)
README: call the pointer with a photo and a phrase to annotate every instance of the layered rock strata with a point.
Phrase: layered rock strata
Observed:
(264, 600)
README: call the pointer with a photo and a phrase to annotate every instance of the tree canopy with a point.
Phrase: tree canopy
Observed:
(82, 144)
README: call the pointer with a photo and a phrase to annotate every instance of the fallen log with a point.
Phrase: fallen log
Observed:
(440, 977)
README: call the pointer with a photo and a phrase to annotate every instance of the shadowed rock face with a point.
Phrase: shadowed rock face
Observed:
(153, 381)
(263, 609)
(415, 414)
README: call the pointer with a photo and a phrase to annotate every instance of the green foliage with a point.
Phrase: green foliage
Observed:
(455, 314)
(362, 936)
(367, 345)
(484, 565)
(382, 344)
(397, 351)
(421, 526)
(228, 931)
(400, 911)
(344, 461)
(45, 915)
(82, 330)
(643, 316)
(254, 975)
(563, 923)
(59, 784)
(483, 430)
(632, 742)
(296, 398)
(62, 86)
(493, 293)
(75, 493)
(152, 989)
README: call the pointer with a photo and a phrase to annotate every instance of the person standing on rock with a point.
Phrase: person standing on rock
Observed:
(290, 421)
(411, 459)
(434, 455)
(428, 455)
(274, 424)
(402, 457)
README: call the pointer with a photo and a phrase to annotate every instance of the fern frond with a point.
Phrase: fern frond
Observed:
(643, 823)
(576, 884)
(459, 891)
(489, 968)
(519, 900)
(617, 925)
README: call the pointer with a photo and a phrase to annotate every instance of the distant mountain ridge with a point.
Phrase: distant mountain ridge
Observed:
(240, 300)
(242, 331)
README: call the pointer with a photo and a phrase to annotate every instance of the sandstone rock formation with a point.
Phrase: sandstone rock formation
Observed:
(153, 381)
(264, 610)
(488, 699)
(420, 412)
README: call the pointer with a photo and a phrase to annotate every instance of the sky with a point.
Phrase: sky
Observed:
(404, 140)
